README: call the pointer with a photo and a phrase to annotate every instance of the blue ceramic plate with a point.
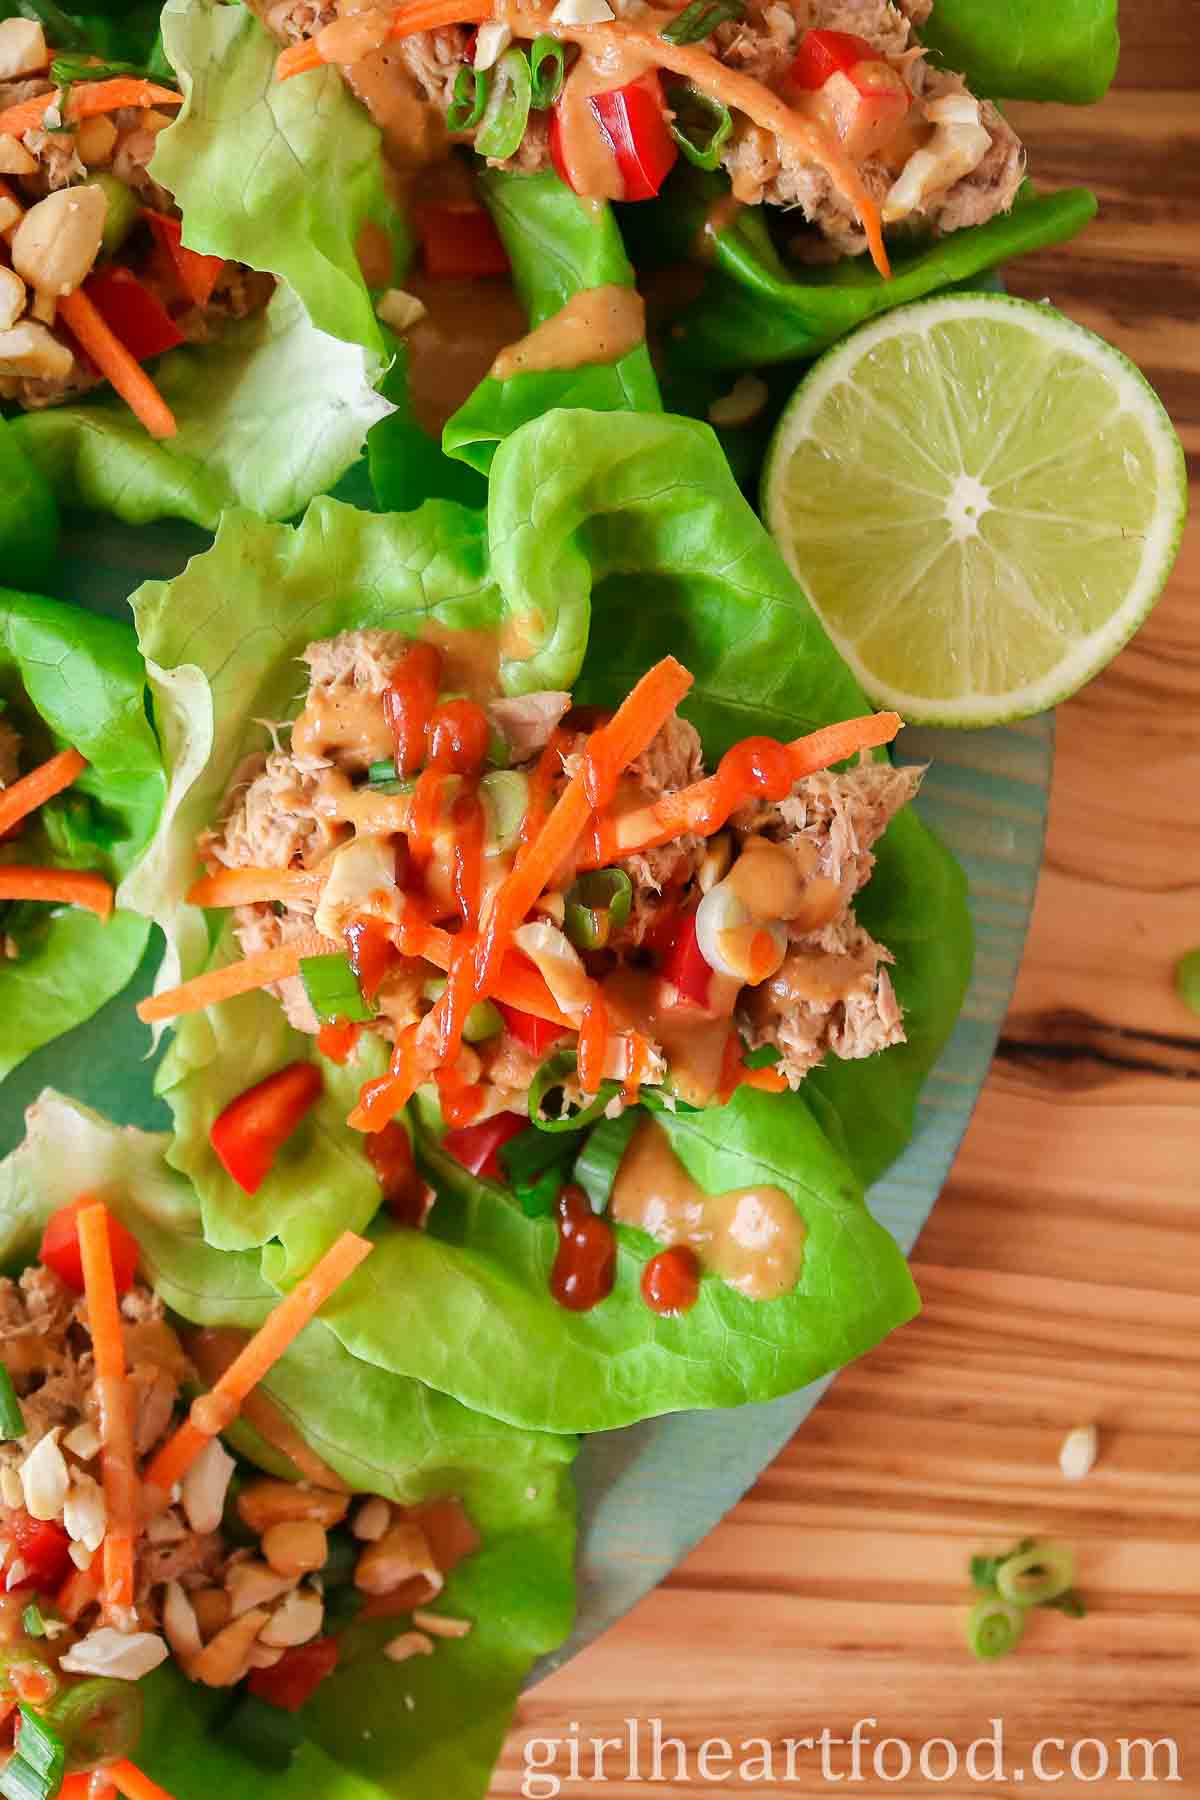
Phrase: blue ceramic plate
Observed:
(986, 794)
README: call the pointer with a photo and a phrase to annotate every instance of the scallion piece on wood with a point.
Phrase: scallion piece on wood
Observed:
(702, 125)
(333, 990)
(597, 905)
(471, 88)
(507, 111)
(597, 1163)
(550, 1080)
(994, 1626)
(547, 67)
(1036, 1576)
(1187, 979)
(12, 1422)
(700, 20)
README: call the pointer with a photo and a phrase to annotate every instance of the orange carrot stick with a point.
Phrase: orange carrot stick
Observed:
(87, 100)
(116, 364)
(80, 1590)
(129, 1780)
(232, 979)
(244, 887)
(76, 887)
(422, 15)
(692, 808)
(118, 1468)
(215, 1411)
(40, 785)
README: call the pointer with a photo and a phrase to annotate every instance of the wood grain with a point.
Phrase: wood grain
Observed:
(1059, 1270)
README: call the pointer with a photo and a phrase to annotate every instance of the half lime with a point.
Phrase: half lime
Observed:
(982, 499)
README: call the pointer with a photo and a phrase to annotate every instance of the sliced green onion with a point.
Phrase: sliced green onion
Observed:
(507, 112)
(483, 1020)
(32, 1621)
(505, 795)
(35, 1771)
(124, 209)
(333, 990)
(528, 1155)
(983, 1572)
(597, 905)
(994, 1627)
(268, 1735)
(597, 1163)
(1036, 1576)
(702, 125)
(550, 1079)
(100, 1721)
(12, 1420)
(700, 20)
(765, 1057)
(1070, 1603)
(65, 70)
(1187, 979)
(382, 778)
(547, 67)
(471, 88)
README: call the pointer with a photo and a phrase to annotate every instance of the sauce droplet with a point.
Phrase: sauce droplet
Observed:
(586, 1264)
(671, 1282)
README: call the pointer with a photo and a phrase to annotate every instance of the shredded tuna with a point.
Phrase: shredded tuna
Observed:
(841, 815)
(832, 995)
(525, 723)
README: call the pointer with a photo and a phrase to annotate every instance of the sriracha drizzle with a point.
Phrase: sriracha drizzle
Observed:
(586, 1264)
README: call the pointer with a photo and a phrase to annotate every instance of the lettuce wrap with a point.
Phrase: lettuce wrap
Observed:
(634, 524)
(433, 1724)
(72, 680)
(269, 408)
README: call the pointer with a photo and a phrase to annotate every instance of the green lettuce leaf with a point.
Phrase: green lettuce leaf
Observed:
(383, 1435)
(1028, 49)
(70, 678)
(284, 176)
(269, 415)
(28, 517)
(754, 309)
(559, 245)
(634, 520)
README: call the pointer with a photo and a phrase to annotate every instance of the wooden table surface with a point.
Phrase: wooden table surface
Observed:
(1059, 1269)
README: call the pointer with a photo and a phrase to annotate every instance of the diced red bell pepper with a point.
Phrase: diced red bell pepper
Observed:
(537, 1035)
(634, 121)
(826, 53)
(684, 968)
(404, 1193)
(198, 274)
(253, 1129)
(60, 1250)
(297, 1675)
(337, 1039)
(460, 241)
(477, 1147)
(132, 312)
(42, 1547)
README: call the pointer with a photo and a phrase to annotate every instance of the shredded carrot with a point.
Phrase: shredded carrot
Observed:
(116, 364)
(76, 887)
(232, 979)
(422, 15)
(129, 1780)
(255, 1360)
(116, 1424)
(768, 1081)
(87, 100)
(40, 785)
(244, 887)
(693, 808)
(76, 1787)
(80, 1590)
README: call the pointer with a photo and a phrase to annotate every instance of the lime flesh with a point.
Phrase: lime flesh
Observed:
(982, 500)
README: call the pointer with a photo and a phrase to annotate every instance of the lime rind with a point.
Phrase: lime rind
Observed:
(982, 499)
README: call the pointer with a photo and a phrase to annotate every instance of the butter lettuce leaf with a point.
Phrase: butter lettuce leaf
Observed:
(383, 1435)
(754, 309)
(29, 525)
(559, 246)
(1027, 50)
(269, 414)
(70, 678)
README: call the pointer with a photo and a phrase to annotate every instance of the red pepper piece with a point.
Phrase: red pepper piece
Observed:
(60, 1250)
(826, 53)
(198, 274)
(132, 313)
(634, 121)
(337, 1039)
(253, 1129)
(42, 1546)
(297, 1675)
(684, 968)
(460, 242)
(537, 1035)
(476, 1147)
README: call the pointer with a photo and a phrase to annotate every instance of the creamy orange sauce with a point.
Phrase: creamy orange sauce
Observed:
(522, 634)
(752, 1237)
(212, 1350)
(598, 325)
(820, 976)
(603, 65)
(346, 722)
(692, 1041)
(452, 349)
(470, 660)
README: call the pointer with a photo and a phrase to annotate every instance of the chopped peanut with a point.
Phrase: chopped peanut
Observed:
(442, 1625)
(95, 141)
(22, 48)
(213, 1609)
(295, 1547)
(253, 1584)
(393, 1559)
(15, 159)
(297, 1621)
(58, 240)
(226, 1659)
(409, 1643)
(12, 305)
(265, 1503)
(372, 1520)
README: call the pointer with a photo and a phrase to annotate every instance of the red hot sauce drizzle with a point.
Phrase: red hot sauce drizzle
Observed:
(671, 1282)
(586, 1264)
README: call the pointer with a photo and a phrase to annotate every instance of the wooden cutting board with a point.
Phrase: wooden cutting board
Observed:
(1061, 1268)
